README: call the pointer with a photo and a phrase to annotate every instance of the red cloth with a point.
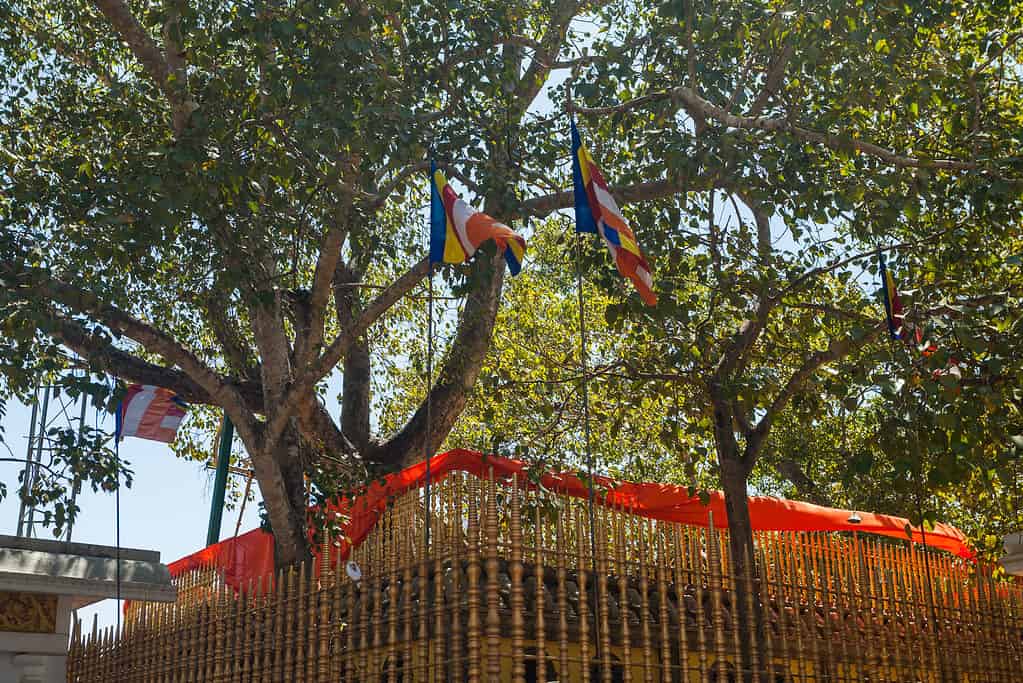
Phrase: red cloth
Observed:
(250, 556)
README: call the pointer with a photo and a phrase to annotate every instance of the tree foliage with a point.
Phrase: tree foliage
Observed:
(225, 200)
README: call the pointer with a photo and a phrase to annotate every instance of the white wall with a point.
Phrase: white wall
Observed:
(37, 657)
(24, 668)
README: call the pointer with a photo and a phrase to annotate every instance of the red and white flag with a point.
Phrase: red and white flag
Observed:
(150, 412)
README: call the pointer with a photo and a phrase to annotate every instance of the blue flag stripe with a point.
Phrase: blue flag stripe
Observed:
(584, 221)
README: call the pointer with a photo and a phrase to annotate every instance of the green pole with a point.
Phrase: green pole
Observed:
(220, 481)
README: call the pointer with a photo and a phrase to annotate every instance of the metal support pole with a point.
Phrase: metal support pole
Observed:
(32, 469)
(76, 484)
(28, 461)
(220, 480)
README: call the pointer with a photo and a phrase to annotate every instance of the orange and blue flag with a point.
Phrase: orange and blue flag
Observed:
(457, 230)
(597, 212)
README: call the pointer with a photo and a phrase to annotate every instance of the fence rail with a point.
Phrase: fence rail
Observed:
(518, 584)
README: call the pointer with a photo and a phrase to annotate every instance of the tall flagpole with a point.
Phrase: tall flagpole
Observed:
(429, 396)
(118, 427)
(919, 473)
(585, 390)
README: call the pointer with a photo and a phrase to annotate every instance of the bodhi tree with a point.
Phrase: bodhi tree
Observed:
(766, 153)
(798, 141)
(223, 199)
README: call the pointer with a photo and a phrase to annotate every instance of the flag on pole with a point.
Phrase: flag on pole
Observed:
(597, 212)
(897, 326)
(149, 412)
(457, 230)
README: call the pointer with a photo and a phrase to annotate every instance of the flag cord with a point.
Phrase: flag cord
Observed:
(584, 363)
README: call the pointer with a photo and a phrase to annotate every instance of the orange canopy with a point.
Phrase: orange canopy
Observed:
(250, 556)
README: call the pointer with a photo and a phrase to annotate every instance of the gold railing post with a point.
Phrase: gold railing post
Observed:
(438, 539)
(459, 541)
(622, 569)
(695, 539)
(541, 588)
(753, 596)
(603, 594)
(583, 610)
(493, 627)
(474, 632)
(324, 595)
(393, 611)
(254, 626)
(422, 615)
(662, 602)
(560, 553)
(681, 585)
(515, 572)
(640, 528)
(718, 617)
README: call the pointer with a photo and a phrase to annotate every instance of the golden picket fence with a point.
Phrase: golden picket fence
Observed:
(514, 587)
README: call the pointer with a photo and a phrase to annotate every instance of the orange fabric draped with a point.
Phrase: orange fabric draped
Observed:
(250, 556)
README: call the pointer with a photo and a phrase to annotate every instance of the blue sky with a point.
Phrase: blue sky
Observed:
(166, 509)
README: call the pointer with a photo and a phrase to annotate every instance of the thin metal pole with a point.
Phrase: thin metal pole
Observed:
(241, 511)
(117, 523)
(429, 397)
(584, 363)
(76, 485)
(33, 472)
(28, 461)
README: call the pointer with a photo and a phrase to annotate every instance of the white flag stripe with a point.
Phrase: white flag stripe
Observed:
(170, 422)
(136, 409)
(607, 202)
(460, 214)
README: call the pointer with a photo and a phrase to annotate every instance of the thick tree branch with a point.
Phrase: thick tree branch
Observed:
(544, 55)
(357, 373)
(168, 78)
(742, 341)
(315, 371)
(456, 379)
(806, 487)
(624, 194)
(775, 74)
(152, 339)
(308, 346)
(103, 356)
(318, 428)
(696, 106)
(837, 349)
(237, 354)
(763, 221)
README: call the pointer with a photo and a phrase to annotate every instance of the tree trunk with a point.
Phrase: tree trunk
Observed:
(740, 543)
(280, 474)
(355, 396)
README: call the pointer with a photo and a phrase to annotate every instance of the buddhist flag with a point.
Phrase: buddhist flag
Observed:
(149, 412)
(597, 212)
(457, 230)
(897, 327)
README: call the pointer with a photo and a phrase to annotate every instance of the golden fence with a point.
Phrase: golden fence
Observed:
(524, 585)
